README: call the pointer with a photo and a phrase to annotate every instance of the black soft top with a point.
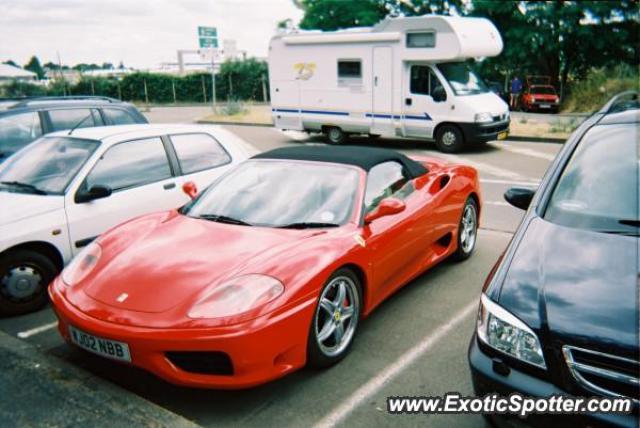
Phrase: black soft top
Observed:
(364, 157)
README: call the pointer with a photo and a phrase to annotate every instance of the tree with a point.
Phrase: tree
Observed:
(11, 62)
(561, 38)
(330, 15)
(34, 66)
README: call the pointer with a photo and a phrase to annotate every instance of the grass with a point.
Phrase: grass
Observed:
(599, 86)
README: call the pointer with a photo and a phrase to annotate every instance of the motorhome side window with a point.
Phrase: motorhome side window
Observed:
(349, 70)
(423, 80)
(421, 40)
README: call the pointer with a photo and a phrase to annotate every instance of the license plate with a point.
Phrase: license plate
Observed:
(545, 105)
(100, 346)
(502, 135)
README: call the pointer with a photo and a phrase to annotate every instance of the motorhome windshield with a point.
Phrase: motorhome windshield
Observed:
(462, 79)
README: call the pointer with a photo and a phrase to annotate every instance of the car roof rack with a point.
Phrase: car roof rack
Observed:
(627, 100)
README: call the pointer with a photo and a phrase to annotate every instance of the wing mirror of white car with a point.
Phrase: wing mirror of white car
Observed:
(97, 191)
(388, 206)
(190, 189)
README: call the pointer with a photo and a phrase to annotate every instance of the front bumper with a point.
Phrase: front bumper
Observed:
(260, 350)
(483, 132)
(486, 381)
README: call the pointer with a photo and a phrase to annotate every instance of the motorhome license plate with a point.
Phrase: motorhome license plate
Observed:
(103, 347)
(502, 135)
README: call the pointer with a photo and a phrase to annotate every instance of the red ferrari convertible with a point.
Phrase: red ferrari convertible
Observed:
(270, 268)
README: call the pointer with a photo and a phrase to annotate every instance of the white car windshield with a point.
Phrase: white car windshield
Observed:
(462, 79)
(274, 193)
(46, 166)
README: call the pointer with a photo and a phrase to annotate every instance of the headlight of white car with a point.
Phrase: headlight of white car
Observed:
(483, 118)
(237, 295)
(502, 331)
(82, 264)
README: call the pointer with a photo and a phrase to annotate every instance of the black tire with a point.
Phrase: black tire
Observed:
(335, 135)
(37, 270)
(319, 356)
(465, 249)
(449, 139)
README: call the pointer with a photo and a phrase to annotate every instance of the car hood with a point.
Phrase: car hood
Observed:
(163, 263)
(487, 102)
(18, 206)
(576, 287)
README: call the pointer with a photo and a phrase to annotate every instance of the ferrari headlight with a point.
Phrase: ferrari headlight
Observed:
(237, 296)
(501, 330)
(483, 118)
(82, 264)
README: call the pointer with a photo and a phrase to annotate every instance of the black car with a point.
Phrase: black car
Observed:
(24, 120)
(559, 310)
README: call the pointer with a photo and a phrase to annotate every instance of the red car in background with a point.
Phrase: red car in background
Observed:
(540, 95)
(270, 268)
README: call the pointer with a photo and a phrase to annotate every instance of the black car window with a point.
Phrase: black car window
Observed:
(385, 180)
(18, 130)
(131, 164)
(423, 80)
(62, 119)
(598, 189)
(118, 116)
(197, 152)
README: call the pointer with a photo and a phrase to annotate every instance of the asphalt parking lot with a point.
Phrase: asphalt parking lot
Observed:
(414, 344)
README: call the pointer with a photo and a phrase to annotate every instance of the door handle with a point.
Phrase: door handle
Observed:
(169, 186)
(408, 101)
(375, 81)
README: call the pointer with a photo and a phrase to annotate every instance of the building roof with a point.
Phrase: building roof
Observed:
(364, 157)
(9, 71)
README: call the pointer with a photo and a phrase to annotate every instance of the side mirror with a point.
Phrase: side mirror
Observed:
(190, 189)
(97, 191)
(439, 94)
(387, 207)
(519, 197)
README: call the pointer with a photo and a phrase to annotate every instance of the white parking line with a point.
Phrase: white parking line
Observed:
(526, 152)
(485, 167)
(37, 330)
(375, 384)
(498, 203)
(532, 183)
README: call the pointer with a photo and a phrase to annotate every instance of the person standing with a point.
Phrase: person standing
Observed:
(516, 89)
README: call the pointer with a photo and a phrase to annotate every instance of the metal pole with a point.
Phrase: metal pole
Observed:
(204, 89)
(93, 88)
(173, 86)
(119, 91)
(64, 83)
(146, 93)
(213, 81)
(264, 89)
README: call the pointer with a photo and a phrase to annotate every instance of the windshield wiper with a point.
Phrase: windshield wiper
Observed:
(628, 222)
(28, 186)
(307, 225)
(223, 219)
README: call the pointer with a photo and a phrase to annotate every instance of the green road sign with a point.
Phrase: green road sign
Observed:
(206, 42)
(210, 32)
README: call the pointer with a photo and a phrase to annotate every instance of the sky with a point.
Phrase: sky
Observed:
(141, 33)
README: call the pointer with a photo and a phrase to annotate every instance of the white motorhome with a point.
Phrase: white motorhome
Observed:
(403, 77)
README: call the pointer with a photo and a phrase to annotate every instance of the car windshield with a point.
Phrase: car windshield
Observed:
(274, 193)
(462, 79)
(46, 166)
(543, 90)
(598, 189)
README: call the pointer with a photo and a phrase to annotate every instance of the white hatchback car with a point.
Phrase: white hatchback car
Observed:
(65, 189)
